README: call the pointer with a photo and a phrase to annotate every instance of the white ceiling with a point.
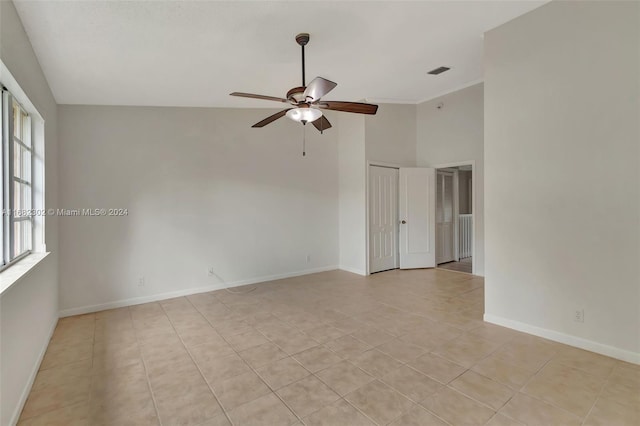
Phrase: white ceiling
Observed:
(184, 53)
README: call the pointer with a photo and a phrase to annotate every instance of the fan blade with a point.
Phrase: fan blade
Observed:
(271, 118)
(321, 123)
(318, 88)
(263, 97)
(356, 107)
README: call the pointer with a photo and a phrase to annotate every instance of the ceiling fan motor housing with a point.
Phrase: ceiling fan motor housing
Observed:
(296, 95)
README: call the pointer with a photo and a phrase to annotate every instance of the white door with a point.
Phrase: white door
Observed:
(417, 218)
(445, 229)
(383, 218)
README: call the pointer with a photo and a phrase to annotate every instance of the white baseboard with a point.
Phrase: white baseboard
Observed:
(352, 270)
(556, 336)
(186, 292)
(32, 377)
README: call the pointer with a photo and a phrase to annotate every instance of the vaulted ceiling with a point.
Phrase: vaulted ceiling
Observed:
(194, 53)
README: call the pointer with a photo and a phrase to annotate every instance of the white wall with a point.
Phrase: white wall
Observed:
(202, 188)
(390, 135)
(352, 211)
(387, 137)
(452, 134)
(29, 309)
(562, 174)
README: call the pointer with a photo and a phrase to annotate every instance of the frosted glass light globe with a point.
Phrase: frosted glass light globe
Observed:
(306, 115)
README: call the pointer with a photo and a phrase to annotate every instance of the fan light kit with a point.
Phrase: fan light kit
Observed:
(304, 115)
(307, 106)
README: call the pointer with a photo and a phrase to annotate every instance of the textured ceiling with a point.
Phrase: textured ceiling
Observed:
(180, 53)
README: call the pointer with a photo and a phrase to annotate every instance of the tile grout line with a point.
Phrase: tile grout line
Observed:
(398, 336)
(550, 403)
(406, 364)
(489, 378)
(63, 404)
(144, 365)
(381, 380)
(349, 360)
(519, 390)
(275, 344)
(311, 373)
(242, 313)
(362, 412)
(224, 411)
(314, 374)
(448, 385)
(251, 367)
(600, 392)
(418, 403)
(342, 397)
(351, 317)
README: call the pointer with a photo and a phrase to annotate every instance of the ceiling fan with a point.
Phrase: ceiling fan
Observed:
(307, 102)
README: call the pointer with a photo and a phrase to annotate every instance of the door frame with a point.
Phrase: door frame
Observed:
(471, 163)
(366, 202)
(455, 201)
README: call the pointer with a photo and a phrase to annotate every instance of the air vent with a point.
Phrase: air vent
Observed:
(438, 70)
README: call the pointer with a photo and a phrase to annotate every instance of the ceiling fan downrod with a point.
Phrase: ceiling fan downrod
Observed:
(302, 39)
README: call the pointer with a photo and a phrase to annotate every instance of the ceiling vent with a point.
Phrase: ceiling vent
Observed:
(438, 70)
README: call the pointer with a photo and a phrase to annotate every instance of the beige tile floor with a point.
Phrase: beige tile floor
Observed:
(399, 348)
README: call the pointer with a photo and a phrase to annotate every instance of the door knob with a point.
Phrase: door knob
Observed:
(403, 221)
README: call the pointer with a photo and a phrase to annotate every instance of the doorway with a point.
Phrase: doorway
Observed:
(454, 218)
(400, 217)
(420, 217)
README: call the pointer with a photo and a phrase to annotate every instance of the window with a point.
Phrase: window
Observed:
(17, 179)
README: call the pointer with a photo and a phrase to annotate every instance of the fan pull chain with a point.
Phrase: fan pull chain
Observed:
(304, 140)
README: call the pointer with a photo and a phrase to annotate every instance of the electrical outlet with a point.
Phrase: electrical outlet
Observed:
(579, 315)
(141, 282)
(308, 258)
(211, 272)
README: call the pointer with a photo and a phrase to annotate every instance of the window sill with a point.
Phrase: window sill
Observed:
(17, 271)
